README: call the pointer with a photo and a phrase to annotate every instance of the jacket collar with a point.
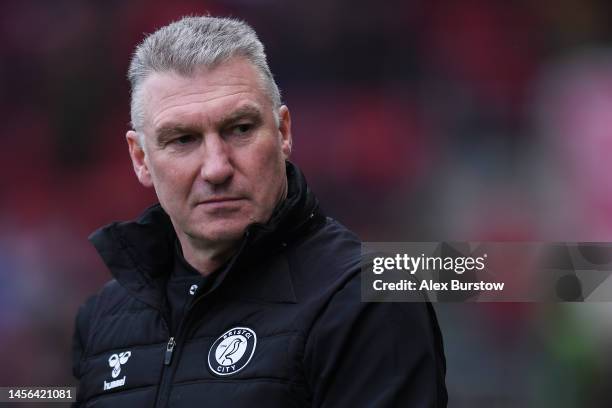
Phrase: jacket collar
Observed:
(139, 253)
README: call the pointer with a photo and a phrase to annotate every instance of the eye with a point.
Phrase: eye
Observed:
(242, 128)
(183, 140)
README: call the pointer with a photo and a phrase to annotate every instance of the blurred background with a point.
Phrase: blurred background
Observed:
(413, 121)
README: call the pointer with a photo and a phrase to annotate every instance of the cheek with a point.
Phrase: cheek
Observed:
(170, 179)
(267, 170)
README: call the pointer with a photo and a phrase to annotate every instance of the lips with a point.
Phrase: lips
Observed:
(220, 201)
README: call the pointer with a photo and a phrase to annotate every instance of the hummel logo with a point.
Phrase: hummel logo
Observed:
(115, 361)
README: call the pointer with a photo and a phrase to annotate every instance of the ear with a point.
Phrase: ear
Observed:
(284, 128)
(137, 154)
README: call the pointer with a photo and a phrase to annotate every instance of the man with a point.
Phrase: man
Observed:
(236, 290)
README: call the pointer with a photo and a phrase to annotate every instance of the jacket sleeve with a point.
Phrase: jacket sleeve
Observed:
(361, 354)
(79, 341)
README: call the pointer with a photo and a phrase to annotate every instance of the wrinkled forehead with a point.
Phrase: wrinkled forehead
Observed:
(207, 90)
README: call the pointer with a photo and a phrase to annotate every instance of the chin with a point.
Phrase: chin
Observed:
(222, 233)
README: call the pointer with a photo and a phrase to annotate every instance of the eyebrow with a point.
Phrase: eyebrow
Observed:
(246, 112)
(168, 130)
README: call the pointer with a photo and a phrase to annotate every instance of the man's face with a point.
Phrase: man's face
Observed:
(212, 150)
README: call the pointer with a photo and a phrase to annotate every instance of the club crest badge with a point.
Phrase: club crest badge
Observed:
(232, 351)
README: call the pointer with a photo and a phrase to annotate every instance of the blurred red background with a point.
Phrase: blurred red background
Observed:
(413, 121)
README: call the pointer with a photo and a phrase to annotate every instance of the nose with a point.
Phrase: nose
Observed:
(217, 166)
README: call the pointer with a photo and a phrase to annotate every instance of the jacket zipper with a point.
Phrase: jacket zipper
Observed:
(169, 351)
(170, 347)
(168, 369)
(173, 346)
(164, 384)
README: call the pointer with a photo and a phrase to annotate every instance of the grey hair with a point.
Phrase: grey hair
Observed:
(192, 42)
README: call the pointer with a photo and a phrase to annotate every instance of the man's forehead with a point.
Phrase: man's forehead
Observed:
(169, 88)
(236, 71)
(217, 91)
(227, 117)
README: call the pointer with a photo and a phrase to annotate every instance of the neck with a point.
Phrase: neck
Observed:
(206, 259)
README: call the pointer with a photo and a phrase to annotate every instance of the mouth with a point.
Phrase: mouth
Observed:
(219, 201)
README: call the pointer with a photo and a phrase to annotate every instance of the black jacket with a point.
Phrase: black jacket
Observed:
(280, 325)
